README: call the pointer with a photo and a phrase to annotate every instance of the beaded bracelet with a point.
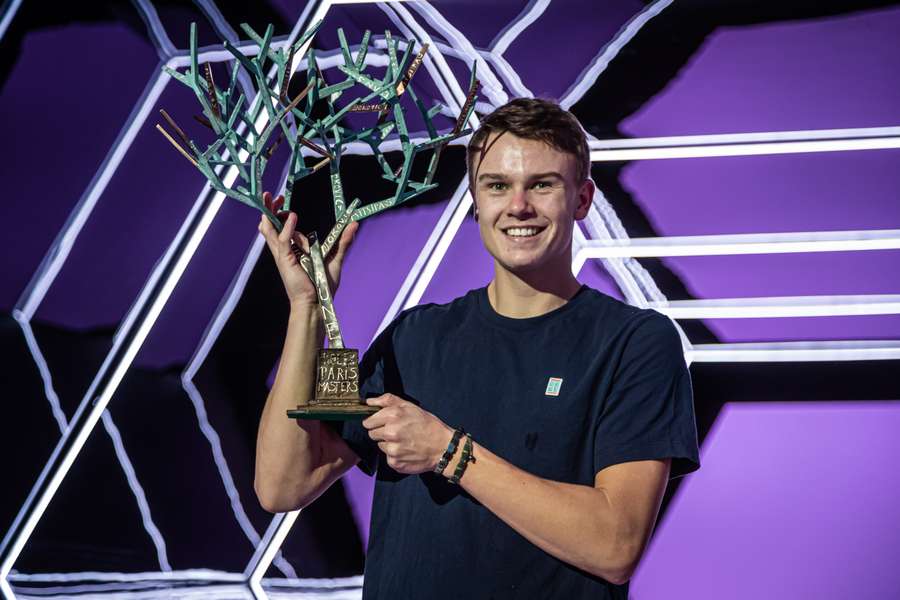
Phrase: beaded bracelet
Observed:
(464, 460)
(449, 452)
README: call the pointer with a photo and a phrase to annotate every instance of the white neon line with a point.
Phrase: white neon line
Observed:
(133, 591)
(223, 313)
(747, 149)
(118, 446)
(440, 249)
(257, 590)
(43, 369)
(274, 537)
(62, 245)
(490, 84)
(745, 243)
(588, 77)
(8, 13)
(6, 590)
(781, 306)
(434, 61)
(614, 266)
(155, 28)
(401, 298)
(529, 15)
(331, 583)
(813, 351)
(36, 503)
(717, 139)
(111, 576)
(138, 491)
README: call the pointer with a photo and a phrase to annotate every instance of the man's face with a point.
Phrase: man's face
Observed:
(527, 201)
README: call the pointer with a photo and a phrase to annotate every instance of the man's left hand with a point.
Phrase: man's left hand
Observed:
(411, 438)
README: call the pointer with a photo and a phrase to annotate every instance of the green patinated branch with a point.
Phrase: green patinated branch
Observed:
(244, 129)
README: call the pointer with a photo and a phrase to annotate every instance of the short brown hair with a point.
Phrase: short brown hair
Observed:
(534, 119)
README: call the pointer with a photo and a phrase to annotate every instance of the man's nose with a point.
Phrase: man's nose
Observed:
(518, 203)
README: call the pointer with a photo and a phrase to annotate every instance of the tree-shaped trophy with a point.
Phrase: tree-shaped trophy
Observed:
(243, 128)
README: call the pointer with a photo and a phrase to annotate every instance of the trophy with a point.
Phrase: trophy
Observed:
(242, 130)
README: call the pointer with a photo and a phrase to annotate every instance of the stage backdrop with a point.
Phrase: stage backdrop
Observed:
(796, 397)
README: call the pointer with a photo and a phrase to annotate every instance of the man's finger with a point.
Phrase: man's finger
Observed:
(375, 421)
(377, 434)
(383, 400)
(288, 230)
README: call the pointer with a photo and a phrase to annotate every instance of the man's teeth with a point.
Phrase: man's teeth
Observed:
(522, 231)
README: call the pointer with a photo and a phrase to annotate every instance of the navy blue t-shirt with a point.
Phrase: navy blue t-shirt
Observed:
(593, 383)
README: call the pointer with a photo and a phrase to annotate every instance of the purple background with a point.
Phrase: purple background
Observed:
(791, 500)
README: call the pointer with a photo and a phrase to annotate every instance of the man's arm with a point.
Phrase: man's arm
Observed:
(297, 461)
(602, 529)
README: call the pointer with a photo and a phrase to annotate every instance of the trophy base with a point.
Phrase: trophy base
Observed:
(332, 413)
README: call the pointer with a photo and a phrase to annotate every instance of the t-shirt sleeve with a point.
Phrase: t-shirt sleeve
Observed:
(649, 411)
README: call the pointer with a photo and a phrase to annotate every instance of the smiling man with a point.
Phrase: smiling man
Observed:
(527, 430)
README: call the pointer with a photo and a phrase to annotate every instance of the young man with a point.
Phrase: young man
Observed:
(578, 406)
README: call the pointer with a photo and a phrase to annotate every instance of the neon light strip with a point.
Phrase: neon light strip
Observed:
(440, 248)
(221, 316)
(746, 144)
(589, 76)
(744, 243)
(529, 15)
(164, 46)
(43, 370)
(127, 342)
(59, 251)
(9, 11)
(401, 298)
(111, 430)
(434, 61)
(6, 590)
(265, 552)
(137, 490)
(467, 53)
(116, 577)
(784, 306)
(795, 351)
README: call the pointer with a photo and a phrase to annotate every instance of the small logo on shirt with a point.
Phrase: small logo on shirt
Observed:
(553, 385)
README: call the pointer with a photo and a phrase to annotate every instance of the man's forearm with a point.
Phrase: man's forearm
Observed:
(575, 523)
(288, 453)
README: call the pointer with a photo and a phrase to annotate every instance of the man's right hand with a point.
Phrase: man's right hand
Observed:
(297, 284)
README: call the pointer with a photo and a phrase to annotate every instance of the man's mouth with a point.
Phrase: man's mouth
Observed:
(522, 232)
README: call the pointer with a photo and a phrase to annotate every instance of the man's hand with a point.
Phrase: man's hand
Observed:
(299, 288)
(411, 438)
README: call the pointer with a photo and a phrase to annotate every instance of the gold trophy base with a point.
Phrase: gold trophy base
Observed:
(337, 389)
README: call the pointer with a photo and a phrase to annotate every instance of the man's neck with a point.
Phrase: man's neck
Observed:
(520, 296)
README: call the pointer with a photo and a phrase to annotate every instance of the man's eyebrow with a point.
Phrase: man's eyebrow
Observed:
(547, 175)
(494, 176)
(501, 177)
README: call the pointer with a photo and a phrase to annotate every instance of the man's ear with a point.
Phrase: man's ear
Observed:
(584, 198)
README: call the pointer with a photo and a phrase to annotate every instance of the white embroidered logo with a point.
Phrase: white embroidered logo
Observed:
(553, 385)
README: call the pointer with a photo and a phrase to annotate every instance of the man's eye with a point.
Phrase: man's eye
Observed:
(543, 185)
(496, 186)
